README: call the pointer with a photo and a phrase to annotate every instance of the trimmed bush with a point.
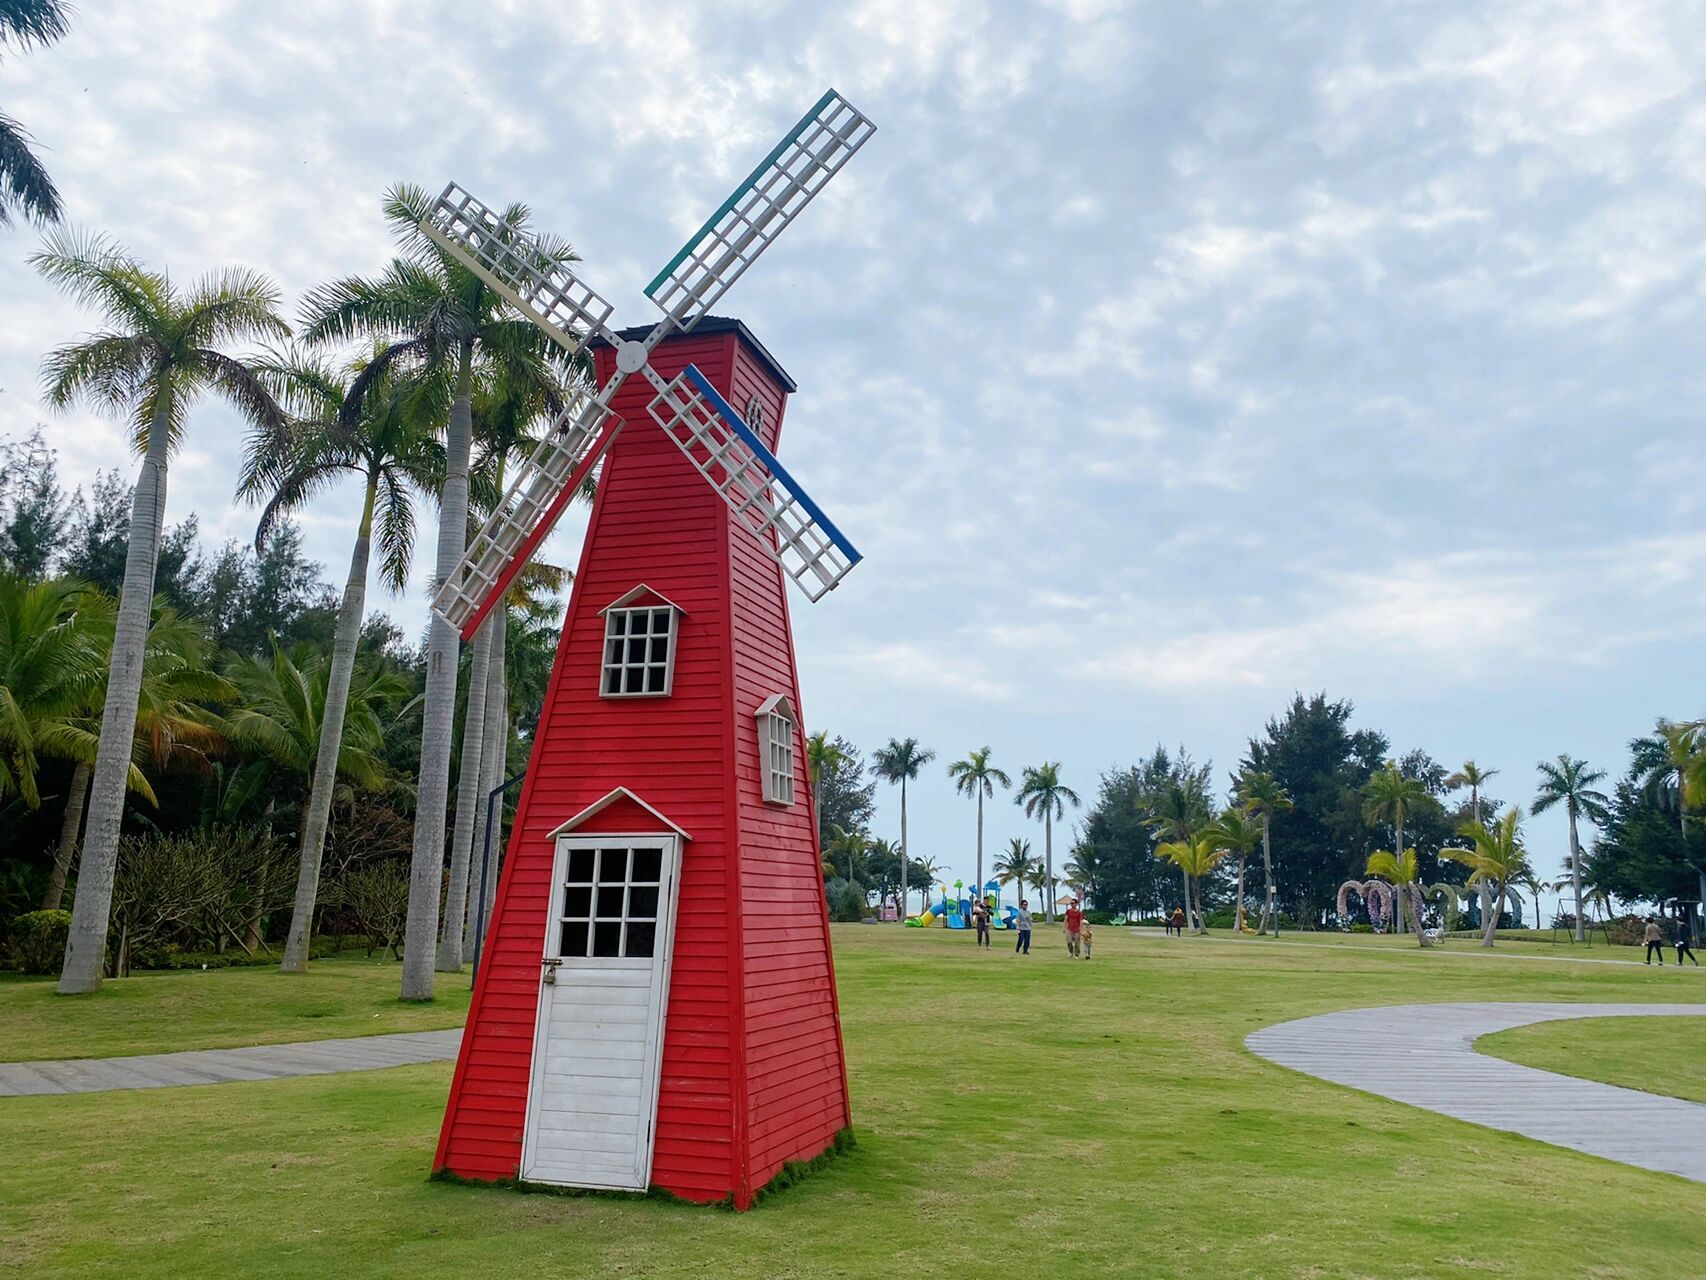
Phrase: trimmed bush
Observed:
(38, 940)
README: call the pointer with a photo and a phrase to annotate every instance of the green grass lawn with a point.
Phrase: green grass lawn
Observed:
(1658, 1055)
(1028, 1116)
(217, 1009)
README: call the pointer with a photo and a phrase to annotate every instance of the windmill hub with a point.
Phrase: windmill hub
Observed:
(630, 356)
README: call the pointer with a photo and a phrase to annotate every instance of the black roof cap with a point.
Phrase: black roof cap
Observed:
(716, 324)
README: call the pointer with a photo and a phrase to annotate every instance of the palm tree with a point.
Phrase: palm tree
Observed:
(1570, 782)
(282, 711)
(1497, 857)
(1237, 834)
(1402, 872)
(932, 871)
(975, 776)
(1014, 866)
(1177, 811)
(1043, 882)
(387, 449)
(899, 762)
(173, 722)
(24, 184)
(1474, 777)
(1390, 795)
(436, 313)
(822, 756)
(48, 668)
(1195, 856)
(1042, 794)
(851, 848)
(1262, 795)
(164, 350)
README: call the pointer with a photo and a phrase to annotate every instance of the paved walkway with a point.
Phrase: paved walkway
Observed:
(222, 1066)
(1424, 1054)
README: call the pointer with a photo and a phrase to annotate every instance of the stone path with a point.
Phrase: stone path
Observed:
(222, 1066)
(1424, 1054)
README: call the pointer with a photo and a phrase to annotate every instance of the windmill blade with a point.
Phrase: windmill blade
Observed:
(511, 262)
(530, 509)
(771, 197)
(729, 454)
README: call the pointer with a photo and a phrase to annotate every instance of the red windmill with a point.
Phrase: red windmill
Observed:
(656, 1005)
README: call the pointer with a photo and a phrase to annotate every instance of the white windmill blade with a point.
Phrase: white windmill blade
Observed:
(530, 508)
(730, 455)
(544, 291)
(771, 197)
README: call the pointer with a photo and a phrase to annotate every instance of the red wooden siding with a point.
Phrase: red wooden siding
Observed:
(752, 1071)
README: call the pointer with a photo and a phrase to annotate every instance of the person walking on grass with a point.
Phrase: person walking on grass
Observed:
(980, 920)
(1685, 942)
(1178, 922)
(1074, 928)
(1086, 939)
(1022, 922)
(1655, 942)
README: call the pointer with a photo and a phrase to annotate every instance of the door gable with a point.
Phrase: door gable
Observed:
(619, 811)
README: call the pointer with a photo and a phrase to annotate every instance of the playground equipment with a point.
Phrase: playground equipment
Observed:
(953, 911)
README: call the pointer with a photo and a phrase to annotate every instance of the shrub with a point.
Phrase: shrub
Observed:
(847, 901)
(1104, 917)
(38, 940)
(1362, 928)
(1628, 931)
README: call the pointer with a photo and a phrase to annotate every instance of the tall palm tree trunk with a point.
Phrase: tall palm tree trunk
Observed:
(1402, 925)
(69, 830)
(905, 855)
(1048, 864)
(463, 834)
(90, 916)
(325, 780)
(494, 763)
(1186, 877)
(977, 891)
(1575, 881)
(1493, 918)
(1268, 877)
(438, 718)
(1238, 913)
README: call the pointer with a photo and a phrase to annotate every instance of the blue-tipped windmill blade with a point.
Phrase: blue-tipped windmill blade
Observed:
(771, 197)
(736, 463)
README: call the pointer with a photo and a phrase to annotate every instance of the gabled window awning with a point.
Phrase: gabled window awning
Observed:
(599, 806)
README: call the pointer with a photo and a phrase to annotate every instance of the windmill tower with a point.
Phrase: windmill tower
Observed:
(657, 1004)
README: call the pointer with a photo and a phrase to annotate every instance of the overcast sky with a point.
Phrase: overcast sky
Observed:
(1162, 359)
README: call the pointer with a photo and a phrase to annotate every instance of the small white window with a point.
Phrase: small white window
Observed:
(639, 647)
(776, 725)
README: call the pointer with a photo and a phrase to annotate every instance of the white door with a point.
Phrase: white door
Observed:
(604, 985)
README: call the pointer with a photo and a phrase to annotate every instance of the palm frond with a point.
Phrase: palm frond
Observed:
(243, 387)
(33, 22)
(232, 305)
(91, 269)
(108, 370)
(25, 186)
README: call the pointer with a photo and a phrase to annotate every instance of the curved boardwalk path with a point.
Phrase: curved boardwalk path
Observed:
(1424, 1054)
(222, 1066)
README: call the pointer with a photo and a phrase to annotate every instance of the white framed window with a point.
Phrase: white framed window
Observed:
(776, 725)
(639, 646)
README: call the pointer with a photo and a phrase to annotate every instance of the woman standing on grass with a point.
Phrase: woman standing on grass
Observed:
(1022, 922)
